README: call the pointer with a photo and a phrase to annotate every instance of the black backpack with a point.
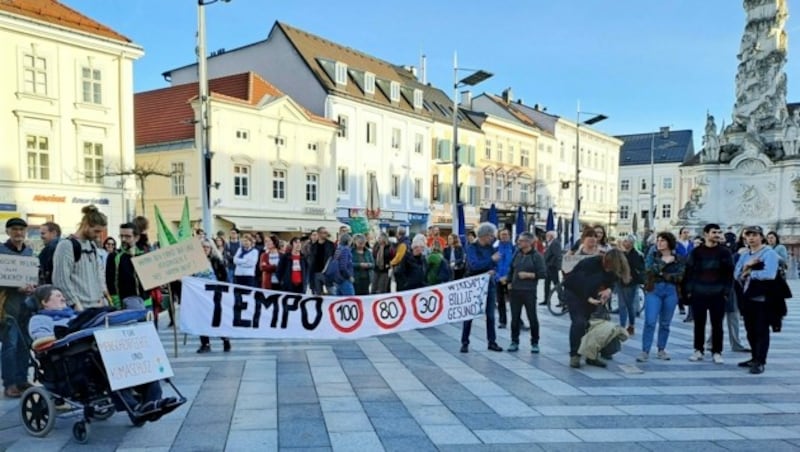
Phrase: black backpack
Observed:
(77, 249)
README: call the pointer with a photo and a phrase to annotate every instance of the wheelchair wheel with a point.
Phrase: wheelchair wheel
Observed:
(555, 305)
(37, 411)
(80, 431)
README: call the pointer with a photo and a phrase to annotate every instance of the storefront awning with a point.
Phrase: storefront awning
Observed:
(267, 224)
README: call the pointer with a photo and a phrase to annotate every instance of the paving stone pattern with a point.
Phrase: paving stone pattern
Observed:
(415, 391)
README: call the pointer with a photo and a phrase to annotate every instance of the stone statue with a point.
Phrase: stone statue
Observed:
(760, 78)
(692, 207)
(711, 140)
(791, 134)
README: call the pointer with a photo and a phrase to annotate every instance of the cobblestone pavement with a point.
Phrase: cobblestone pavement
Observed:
(415, 391)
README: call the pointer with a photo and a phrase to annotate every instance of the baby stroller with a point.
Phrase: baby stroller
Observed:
(72, 375)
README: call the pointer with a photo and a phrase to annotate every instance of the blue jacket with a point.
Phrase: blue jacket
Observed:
(479, 259)
(506, 250)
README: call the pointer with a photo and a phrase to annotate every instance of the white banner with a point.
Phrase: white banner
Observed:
(132, 355)
(216, 309)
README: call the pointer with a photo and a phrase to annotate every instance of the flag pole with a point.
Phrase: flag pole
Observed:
(171, 310)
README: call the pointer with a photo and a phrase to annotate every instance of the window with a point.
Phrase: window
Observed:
(435, 188)
(624, 185)
(524, 158)
(395, 138)
(394, 91)
(395, 186)
(279, 184)
(500, 183)
(524, 188)
(541, 147)
(93, 162)
(34, 74)
(624, 212)
(341, 73)
(38, 149)
(643, 184)
(549, 149)
(417, 188)
(509, 191)
(341, 178)
(443, 150)
(487, 187)
(418, 143)
(472, 195)
(548, 172)
(91, 81)
(177, 179)
(511, 155)
(487, 152)
(666, 211)
(343, 122)
(645, 214)
(241, 181)
(369, 83)
(667, 183)
(242, 135)
(280, 141)
(313, 147)
(418, 99)
(561, 152)
(372, 132)
(499, 152)
(312, 187)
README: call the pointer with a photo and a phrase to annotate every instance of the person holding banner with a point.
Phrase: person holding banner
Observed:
(14, 317)
(219, 273)
(412, 269)
(245, 260)
(587, 287)
(482, 258)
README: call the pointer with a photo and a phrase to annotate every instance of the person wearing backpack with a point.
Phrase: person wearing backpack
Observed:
(76, 270)
(437, 270)
(340, 267)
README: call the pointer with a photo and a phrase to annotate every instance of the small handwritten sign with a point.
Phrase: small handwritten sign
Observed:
(170, 263)
(570, 261)
(18, 271)
(132, 355)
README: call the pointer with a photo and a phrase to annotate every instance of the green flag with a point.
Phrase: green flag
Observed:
(165, 236)
(185, 228)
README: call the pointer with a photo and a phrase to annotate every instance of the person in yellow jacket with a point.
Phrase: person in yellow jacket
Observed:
(402, 246)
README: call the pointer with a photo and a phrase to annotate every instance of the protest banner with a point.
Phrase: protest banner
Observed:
(570, 261)
(18, 271)
(218, 309)
(132, 355)
(170, 263)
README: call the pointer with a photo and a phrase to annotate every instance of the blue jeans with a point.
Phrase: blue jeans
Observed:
(230, 274)
(659, 307)
(627, 304)
(15, 355)
(491, 335)
(318, 286)
(345, 288)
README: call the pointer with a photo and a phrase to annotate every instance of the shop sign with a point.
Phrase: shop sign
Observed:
(314, 210)
(95, 201)
(387, 215)
(49, 198)
(5, 207)
(418, 217)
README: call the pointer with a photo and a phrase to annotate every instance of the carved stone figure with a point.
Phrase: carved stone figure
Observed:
(791, 134)
(711, 141)
(692, 207)
(760, 79)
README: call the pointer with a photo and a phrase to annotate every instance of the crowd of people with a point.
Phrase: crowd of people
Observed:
(714, 276)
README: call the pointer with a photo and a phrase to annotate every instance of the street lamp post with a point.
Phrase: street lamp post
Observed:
(664, 131)
(595, 118)
(473, 79)
(204, 121)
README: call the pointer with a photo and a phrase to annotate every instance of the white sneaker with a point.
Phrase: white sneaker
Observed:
(662, 354)
(718, 358)
(696, 356)
(643, 357)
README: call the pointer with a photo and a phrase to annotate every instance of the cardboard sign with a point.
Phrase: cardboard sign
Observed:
(212, 308)
(170, 263)
(570, 261)
(132, 355)
(18, 271)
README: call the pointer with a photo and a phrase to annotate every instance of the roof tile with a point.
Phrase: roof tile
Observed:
(55, 13)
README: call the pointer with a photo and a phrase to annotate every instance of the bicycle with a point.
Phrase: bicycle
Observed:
(613, 302)
(557, 305)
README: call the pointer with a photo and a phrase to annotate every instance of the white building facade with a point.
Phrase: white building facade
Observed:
(67, 89)
(384, 127)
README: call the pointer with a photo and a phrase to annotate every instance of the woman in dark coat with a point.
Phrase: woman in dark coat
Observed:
(455, 257)
(413, 266)
(588, 286)
(293, 269)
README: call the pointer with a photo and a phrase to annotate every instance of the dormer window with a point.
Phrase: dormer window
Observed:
(394, 92)
(417, 99)
(341, 73)
(369, 83)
